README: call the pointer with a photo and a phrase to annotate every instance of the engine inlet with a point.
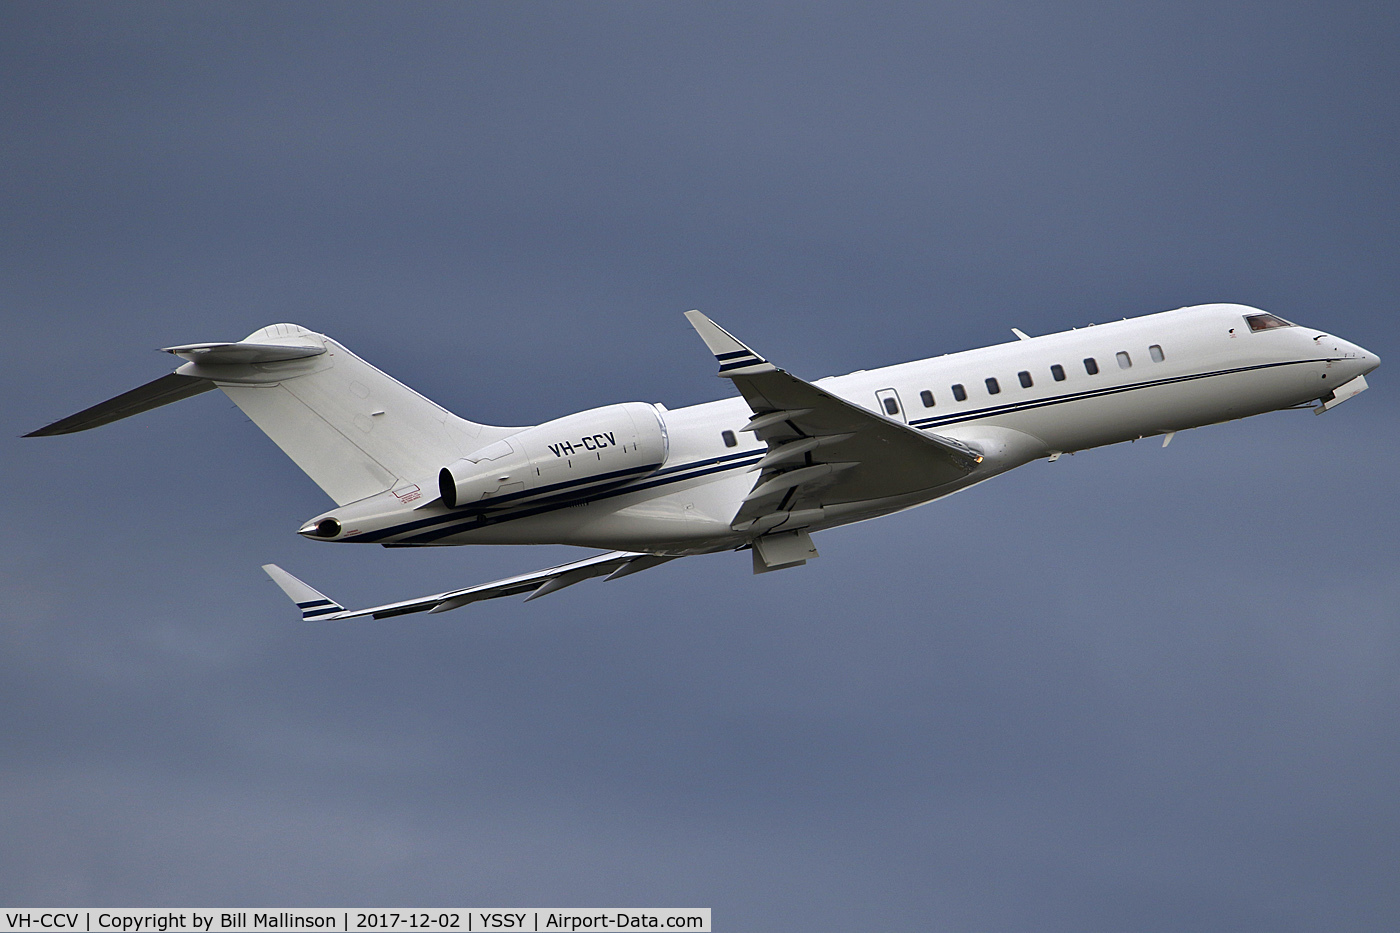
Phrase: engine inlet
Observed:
(325, 528)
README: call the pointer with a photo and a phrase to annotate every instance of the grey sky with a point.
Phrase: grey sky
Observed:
(1134, 689)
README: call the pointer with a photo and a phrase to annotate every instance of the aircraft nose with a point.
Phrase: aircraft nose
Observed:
(1369, 360)
(1354, 360)
(1358, 358)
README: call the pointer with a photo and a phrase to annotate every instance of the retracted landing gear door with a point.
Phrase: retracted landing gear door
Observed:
(1341, 393)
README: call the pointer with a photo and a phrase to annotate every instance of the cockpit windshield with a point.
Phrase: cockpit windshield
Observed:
(1265, 321)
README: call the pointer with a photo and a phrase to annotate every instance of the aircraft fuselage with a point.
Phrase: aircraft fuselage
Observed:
(1015, 402)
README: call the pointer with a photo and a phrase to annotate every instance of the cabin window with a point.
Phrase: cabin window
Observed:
(891, 406)
(1124, 360)
(729, 439)
(1156, 352)
(927, 398)
(959, 393)
(993, 387)
(1091, 366)
(1058, 372)
(1025, 378)
(1265, 321)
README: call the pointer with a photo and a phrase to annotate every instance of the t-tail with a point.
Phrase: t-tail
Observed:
(354, 430)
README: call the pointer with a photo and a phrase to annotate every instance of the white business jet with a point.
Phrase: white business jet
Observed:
(763, 471)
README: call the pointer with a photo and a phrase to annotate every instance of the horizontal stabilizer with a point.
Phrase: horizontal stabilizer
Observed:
(179, 386)
(354, 430)
(243, 352)
(162, 391)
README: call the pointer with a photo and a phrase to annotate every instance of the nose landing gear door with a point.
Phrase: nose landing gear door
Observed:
(1341, 393)
(890, 404)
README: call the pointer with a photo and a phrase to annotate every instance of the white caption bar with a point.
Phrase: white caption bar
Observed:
(427, 919)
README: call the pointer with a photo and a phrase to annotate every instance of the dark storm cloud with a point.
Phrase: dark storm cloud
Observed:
(1137, 688)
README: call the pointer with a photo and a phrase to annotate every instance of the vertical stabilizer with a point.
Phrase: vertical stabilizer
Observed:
(353, 429)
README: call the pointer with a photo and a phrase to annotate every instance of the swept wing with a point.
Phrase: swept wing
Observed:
(317, 607)
(823, 450)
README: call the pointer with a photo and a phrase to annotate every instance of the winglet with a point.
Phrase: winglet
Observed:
(735, 359)
(313, 604)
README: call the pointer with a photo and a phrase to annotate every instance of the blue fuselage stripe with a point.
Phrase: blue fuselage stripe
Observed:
(455, 524)
(462, 518)
(554, 491)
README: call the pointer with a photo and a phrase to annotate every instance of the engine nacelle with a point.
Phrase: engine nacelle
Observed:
(570, 456)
